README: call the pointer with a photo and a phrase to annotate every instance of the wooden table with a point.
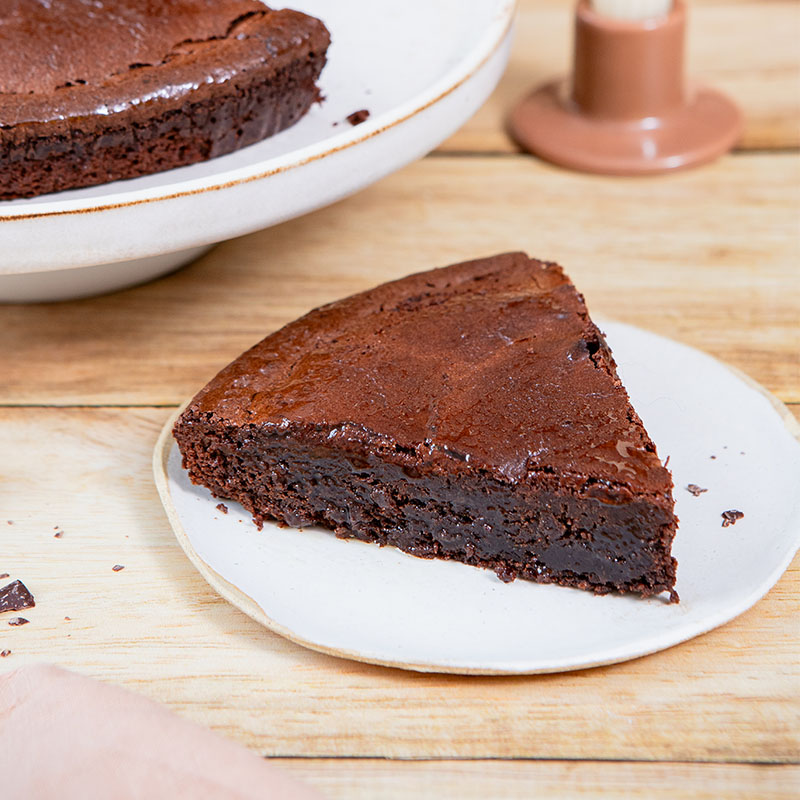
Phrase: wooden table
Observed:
(709, 257)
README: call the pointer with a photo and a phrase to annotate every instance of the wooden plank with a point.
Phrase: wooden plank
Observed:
(156, 627)
(556, 780)
(707, 257)
(747, 49)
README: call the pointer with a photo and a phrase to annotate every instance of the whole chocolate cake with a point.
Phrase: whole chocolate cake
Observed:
(93, 92)
(471, 413)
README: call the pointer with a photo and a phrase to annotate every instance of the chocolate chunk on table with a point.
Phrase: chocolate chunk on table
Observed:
(15, 596)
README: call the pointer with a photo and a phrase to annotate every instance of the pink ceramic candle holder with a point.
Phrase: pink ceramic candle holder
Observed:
(627, 109)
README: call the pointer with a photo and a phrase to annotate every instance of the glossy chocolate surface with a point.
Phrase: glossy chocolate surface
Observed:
(80, 58)
(491, 365)
(97, 91)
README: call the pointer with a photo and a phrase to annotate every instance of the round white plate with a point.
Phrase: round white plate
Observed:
(360, 601)
(420, 68)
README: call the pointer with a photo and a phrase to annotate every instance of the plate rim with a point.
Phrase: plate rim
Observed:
(243, 602)
(459, 74)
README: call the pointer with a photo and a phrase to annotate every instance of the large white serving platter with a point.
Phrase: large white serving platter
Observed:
(719, 430)
(420, 68)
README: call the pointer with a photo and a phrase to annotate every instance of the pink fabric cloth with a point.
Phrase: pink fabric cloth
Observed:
(69, 737)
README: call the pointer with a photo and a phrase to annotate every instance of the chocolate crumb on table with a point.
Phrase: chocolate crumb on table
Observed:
(5, 653)
(222, 507)
(3, 576)
(58, 534)
(696, 490)
(18, 621)
(15, 597)
(117, 567)
(357, 117)
(730, 517)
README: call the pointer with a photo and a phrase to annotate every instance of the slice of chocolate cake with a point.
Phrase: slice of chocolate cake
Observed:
(95, 92)
(471, 413)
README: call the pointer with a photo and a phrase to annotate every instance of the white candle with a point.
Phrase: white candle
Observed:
(632, 9)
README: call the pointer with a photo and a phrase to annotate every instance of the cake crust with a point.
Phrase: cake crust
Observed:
(472, 412)
(145, 86)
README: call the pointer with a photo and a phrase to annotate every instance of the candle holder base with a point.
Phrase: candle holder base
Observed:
(548, 124)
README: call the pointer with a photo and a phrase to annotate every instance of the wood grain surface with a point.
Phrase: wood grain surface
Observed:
(731, 695)
(747, 49)
(709, 257)
(522, 780)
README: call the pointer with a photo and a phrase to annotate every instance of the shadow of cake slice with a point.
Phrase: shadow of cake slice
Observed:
(471, 413)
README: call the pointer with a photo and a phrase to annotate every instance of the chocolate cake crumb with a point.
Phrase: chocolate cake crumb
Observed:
(18, 621)
(505, 574)
(15, 597)
(117, 567)
(67, 619)
(5, 653)
(712, 457)
(4, 576)
(58, 534)
(10, 521)
(695, 489)
(357, 117)
(222, 507)
(730, 517)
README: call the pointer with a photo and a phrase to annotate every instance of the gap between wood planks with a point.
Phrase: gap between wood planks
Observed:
(525, 759)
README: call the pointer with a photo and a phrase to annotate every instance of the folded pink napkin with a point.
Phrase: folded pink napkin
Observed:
(69, 737)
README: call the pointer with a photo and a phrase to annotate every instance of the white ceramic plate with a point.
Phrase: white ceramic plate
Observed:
(421, 68)
(357, 600)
